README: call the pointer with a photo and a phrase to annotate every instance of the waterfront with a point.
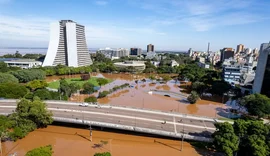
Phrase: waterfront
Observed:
(137, 96)
(75, 142)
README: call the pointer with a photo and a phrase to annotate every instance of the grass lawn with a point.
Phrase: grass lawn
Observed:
(93, 80)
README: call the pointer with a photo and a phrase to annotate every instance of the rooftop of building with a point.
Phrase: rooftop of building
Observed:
(22, 60)
(131, 63)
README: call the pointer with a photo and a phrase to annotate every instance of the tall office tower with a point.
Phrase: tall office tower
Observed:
(262, 77)
(208, 51)
(208, 48)
(240, 48)
(248, 50)
(255, 51)
(226, 53)
(150, 48)
(190, 52)
(67, 45)
(135, 51)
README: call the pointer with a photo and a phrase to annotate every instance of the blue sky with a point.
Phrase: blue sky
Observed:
(168, 24)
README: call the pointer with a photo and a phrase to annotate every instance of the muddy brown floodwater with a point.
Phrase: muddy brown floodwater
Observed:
(75, 142)
(137, 96)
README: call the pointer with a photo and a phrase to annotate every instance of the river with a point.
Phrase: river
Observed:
(67, 141)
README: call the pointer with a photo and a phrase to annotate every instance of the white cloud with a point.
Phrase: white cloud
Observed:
(201, 15)
(100, 2)
(30, 29)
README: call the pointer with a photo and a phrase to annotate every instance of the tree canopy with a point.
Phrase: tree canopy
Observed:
(68, 89)
(12, 90)
(27, 75)
(103, 154)
(256, 104)
(224, 138)
(8, 78)
(41, 151)
(37, 84)
(102, 81)
(193, 97)
(244, 137)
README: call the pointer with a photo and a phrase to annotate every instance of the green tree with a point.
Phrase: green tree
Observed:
(35, 111)
(90, 99)
(103, 94)
(74, 87)
(17, 54)
(32, 56)
(103, 154)
(7, 78)
(166, 78)
(68, 89)
(152, 77)
(12, 90)
(43, 94)
(3, 67)
(193, 97)
(41, 151)
(37, 84)
(192, 72)
(102, 81)
(29, 75)
(199, 87)
(220, 87)
(88, 88)
(224, 138)
(256, 104)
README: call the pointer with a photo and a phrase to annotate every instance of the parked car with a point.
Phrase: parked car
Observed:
(84, 104)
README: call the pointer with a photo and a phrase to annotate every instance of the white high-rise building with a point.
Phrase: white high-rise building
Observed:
(67, 45)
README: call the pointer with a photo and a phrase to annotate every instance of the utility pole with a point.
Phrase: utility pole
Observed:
(183, 133)
(90, 128)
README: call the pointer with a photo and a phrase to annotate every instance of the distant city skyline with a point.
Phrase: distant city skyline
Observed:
(167, 24)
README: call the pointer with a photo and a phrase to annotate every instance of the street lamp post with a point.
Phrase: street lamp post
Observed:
(90, 128)
(183, 133)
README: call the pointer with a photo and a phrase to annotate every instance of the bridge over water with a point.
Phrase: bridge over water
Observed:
(160, 123)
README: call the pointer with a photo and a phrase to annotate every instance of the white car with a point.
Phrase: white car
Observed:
(84, 104)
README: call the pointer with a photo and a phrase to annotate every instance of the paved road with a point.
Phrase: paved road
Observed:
(127, 116)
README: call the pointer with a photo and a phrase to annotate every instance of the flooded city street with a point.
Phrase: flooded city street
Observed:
(75, 142)
(138, 96)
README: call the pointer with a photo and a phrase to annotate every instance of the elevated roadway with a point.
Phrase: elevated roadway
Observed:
(141, 120)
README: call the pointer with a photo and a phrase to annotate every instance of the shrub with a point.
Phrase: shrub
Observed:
(12, 90)
(43, 94)
(8, 78)
(17, 134)
(103, 154)
(90, 99)
(88, 88)
(27, 75)
(41, 151)
(37, 84)
(193, 97)
(103, 94)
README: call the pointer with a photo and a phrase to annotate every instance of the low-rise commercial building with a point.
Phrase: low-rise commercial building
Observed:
(23, 63)
(136, 65)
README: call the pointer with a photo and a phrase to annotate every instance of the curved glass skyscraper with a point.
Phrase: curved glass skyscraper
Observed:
(67, 45)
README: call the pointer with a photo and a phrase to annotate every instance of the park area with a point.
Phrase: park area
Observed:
(93, 80)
